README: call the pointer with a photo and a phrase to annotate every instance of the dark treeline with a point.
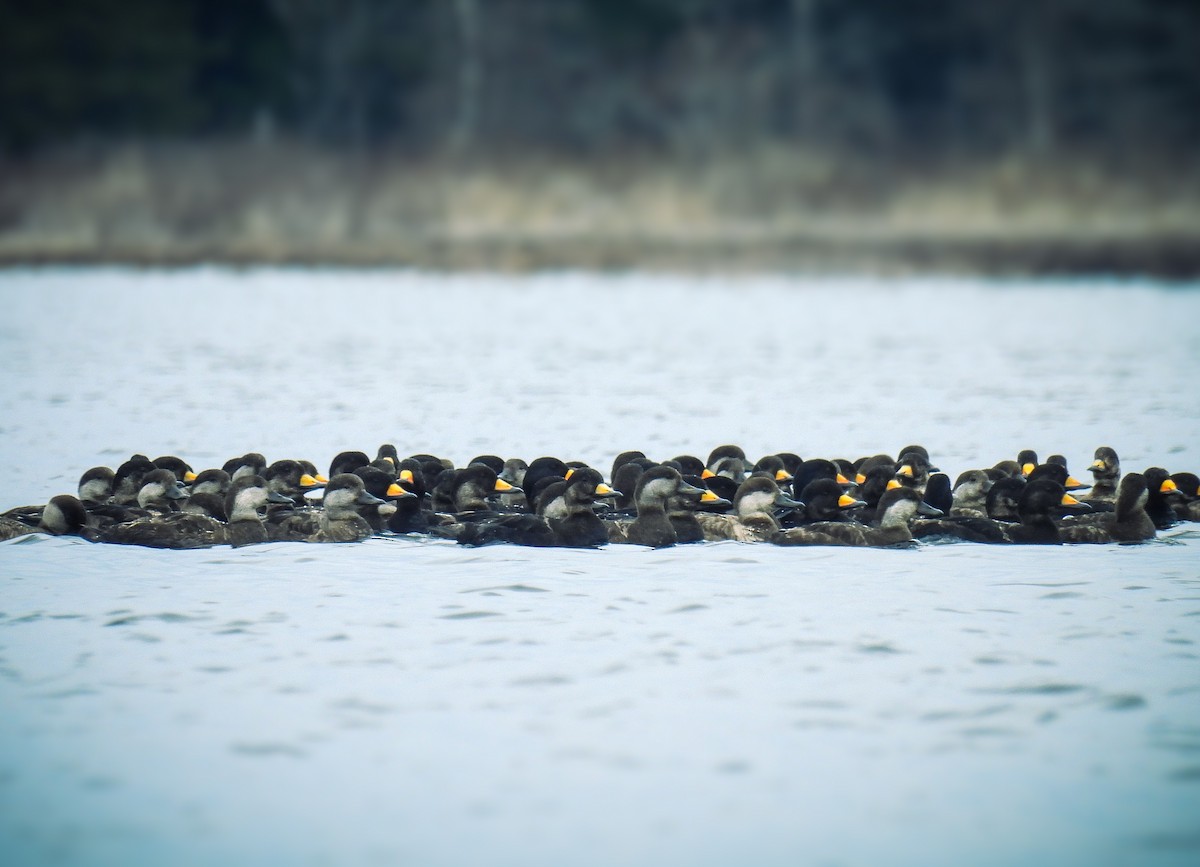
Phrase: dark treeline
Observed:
(686, 77)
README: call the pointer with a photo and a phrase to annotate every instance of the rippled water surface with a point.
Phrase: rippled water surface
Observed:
(412, 702)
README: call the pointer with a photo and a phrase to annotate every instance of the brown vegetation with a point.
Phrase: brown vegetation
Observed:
(767, 208)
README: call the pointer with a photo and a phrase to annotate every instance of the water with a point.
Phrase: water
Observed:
(408, 702)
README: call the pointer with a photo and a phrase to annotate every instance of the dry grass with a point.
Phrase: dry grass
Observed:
(238, 202)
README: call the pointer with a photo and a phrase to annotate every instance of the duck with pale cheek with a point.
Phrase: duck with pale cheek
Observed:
(897, 508)
(569, 508)
(652, 526)
(246, 504)
(340, 520)
(64, 515)
(755, 504)
(1128, 522)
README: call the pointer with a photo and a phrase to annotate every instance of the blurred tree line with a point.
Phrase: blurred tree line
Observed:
(890, 78)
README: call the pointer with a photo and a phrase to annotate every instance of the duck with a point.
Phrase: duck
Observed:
(913, 471)
(181, 468)
(1003, 499)
(545, 467)
(938, 493)
(63, 515)
(813, 469)
(626, 480)
(773, 467)
(157, 523)
(652, 527)
(724, 489)
(249, 464)
(920, 450)
(688, 465)
(826, 500)
(754, 505)
(495, 462)
(568, 509)
(969, 494)
(480, 526)
(431, 468)
(732, 467)
(1163, 494)
(211, 481)
(897, 507)
(387, 458)
(623, 458)
(245, 504)
(340, 520)
(1128, 522)
(207, 495)
(1106, 474)
(1006, 469)
(1027, 460)
(513, 472)
(966, 528)
(1040, 502)
(862, 465)
(441, 491)
(160, 492)
(1188, 506)
(873, 485)
(791, 461)
(472, 486)
(682, 509)
(96, 486)
(1057, 472)
(724, 453)
(291, 479)
(383, 486)
(968, 519)
(127, 480)
(411, 515)
(519, 528)
(177, 530)
(347, 462)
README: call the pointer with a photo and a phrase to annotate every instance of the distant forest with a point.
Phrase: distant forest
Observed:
(899, 79)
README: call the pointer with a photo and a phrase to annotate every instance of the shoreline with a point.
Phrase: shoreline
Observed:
(759, 210)
(1175, 258)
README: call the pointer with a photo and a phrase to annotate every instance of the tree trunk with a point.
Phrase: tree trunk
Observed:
(1038, 79)
(803, 93)
(469, 78)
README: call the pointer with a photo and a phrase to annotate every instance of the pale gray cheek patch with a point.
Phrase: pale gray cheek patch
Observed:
(753, 503)
(93, 490)
(150, 493)
(52, 516)
(246, 503)
(341, 500)
(660, 489)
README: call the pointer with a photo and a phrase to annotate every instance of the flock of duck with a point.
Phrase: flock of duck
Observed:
(781, 499)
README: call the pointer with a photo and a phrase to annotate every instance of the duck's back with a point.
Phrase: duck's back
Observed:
(179, 530)
(653, 530)
(581, 530)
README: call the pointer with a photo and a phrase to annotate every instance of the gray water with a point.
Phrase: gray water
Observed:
(412, 702)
